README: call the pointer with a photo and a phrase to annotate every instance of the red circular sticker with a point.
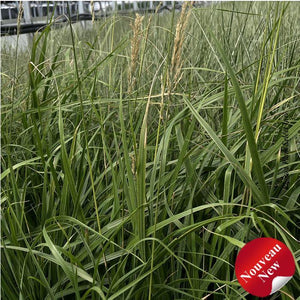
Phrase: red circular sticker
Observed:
(263, 266)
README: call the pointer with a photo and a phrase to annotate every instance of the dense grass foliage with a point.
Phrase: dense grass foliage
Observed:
(140, 154)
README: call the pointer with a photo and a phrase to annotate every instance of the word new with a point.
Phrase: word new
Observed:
(261, 263)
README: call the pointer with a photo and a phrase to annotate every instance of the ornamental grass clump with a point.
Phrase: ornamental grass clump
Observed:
(138, 157)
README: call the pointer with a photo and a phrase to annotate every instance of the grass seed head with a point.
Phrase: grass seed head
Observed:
(177, 61)
(135, 48)
(20, 14)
